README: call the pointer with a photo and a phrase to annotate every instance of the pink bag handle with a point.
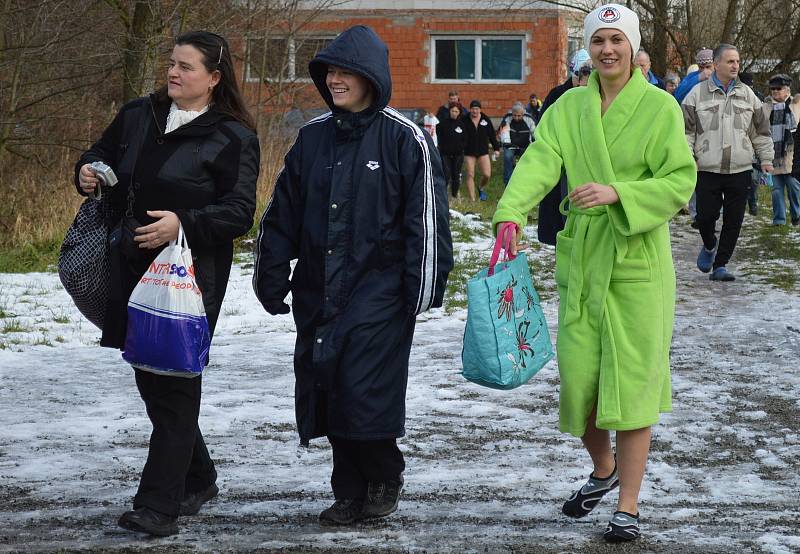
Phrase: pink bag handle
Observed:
(505, 237)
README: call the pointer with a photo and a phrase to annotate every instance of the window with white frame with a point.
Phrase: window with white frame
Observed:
(281, 59)
(478, 58)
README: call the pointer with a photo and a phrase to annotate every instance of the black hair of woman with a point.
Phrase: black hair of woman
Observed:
(226, 96)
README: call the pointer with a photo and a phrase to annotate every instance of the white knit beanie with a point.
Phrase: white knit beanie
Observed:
(613, 16)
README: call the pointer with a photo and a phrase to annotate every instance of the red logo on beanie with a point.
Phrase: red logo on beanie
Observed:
(608, 14)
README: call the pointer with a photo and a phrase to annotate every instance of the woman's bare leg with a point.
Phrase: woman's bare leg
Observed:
(470, 181)
(633, 448)
(485, 167)
(598, 444)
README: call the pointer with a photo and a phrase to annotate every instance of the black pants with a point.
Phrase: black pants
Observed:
(355, 463)
(178, 462)
(452, 171)
(729, 192)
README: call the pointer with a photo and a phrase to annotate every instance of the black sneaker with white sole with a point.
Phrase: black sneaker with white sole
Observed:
(587, 497)
(623, 527)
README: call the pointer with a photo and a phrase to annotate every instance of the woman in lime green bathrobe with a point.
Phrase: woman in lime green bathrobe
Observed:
(621, 142)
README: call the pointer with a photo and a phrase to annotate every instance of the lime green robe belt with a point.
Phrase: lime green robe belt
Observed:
(584, 219)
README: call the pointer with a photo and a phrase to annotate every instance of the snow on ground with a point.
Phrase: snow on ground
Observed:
(486, 470)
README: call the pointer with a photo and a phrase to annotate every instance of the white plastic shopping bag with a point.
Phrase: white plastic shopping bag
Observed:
(167, 326)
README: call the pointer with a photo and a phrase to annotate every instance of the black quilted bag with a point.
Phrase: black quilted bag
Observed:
(84, 264)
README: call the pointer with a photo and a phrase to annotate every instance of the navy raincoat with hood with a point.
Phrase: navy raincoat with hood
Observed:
(361, 204)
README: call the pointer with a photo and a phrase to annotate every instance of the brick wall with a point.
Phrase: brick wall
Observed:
(408, 37)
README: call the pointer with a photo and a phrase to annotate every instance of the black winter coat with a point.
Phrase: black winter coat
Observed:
(362, 205)
(204, 171)
(796, 160)
(452, 136)
(478, 136)
(550, 220)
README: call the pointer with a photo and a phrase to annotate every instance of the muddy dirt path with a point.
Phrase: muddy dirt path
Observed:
(487, 471)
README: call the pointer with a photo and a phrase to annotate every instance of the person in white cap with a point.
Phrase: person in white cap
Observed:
(621, 143)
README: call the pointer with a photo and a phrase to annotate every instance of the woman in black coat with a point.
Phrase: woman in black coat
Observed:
(185, 156)
(452, 140)
(361, 205)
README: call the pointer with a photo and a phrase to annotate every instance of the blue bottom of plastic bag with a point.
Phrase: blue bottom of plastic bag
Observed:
(165, 342)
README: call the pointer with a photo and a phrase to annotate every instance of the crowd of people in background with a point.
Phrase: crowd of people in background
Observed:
(764, 127)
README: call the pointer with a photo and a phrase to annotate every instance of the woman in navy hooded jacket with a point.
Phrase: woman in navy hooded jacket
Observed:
(361, 203)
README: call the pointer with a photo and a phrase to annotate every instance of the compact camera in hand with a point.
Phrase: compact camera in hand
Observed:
(105, 175)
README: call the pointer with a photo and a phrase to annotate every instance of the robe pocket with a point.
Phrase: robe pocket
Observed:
(636, 266)
(563, 258)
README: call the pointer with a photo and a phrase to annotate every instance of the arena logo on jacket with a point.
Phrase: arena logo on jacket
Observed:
(373, 165)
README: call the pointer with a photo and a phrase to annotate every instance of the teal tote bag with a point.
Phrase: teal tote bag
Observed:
(506, 341)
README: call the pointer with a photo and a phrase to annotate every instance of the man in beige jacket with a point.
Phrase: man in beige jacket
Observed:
(725, 123)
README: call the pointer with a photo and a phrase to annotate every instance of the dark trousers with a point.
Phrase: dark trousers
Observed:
(178, 462)
(452, 171)
(355, 463)
(717, 191)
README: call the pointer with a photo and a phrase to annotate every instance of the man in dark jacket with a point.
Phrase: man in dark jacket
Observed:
(515, 131)
(534, 107)
(443, 113)
(480, 133)
(361, 204)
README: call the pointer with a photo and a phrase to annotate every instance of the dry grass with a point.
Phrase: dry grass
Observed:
(38, 204)
(37, 207)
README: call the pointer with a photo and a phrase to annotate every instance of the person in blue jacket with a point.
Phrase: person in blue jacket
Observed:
(704, 60)
(361, 204)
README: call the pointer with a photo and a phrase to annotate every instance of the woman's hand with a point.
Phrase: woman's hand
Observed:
(87, 179)
(593, 194)
(159, 232)
(514, 247)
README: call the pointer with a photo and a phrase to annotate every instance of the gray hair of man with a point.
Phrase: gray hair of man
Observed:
(517, 107)
(722, 48)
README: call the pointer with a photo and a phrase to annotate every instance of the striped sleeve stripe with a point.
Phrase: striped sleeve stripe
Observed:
(428, 263)
(318, 119)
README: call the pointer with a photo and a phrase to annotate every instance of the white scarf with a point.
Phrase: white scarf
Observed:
(178, 117)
